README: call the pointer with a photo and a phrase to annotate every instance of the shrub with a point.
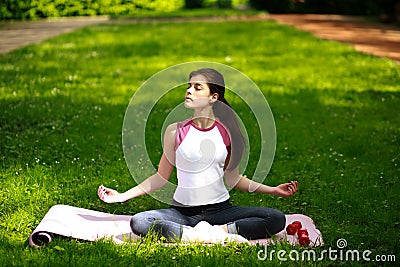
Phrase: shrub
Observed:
(32, 9)
(224, 3)
(14, 9)
(273, 6)
(189, 4)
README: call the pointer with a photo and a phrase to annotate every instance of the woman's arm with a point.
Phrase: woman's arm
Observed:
(153, 182)
(237, 181)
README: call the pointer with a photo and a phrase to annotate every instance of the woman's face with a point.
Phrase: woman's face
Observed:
(198, 93)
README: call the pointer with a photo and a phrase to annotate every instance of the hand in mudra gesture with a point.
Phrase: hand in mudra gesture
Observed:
(109, 195)
(286, 189)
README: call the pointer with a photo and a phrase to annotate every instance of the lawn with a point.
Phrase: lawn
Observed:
(63, 104)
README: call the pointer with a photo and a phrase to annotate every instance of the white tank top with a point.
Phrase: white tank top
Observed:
(200, 158)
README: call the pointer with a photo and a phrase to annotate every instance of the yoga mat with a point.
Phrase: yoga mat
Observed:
(90, 225)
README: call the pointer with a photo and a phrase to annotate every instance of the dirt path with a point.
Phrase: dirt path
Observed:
(14, 35)
(374, 38)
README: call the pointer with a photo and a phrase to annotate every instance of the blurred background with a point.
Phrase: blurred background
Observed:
(383, 10)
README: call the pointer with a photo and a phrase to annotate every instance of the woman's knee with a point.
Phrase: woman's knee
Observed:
(139, 224)
(274, 219)
(278, 222)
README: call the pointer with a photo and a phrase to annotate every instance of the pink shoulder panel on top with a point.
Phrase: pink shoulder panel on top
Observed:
(224, 133)
(181, 132)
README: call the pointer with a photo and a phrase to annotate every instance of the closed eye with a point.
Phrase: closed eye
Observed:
(197, 86)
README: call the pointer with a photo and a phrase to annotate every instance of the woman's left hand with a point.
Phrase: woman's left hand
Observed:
(286, 189)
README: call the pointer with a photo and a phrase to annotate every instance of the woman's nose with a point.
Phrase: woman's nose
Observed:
(190, 90)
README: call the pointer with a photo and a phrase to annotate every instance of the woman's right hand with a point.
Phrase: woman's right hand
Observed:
(109, 195)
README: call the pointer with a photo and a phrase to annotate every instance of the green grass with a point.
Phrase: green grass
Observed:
(190, 13)
(62, 107)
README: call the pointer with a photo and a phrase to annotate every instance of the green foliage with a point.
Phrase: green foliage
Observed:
(32, 9)
(62, 105)
(218, 3)
(224, 3)
(14, 9)
(273, 6)
(189, 4)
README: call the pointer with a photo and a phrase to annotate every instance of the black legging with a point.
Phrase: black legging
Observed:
(249, 222)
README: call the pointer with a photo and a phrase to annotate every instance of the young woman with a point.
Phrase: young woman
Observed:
(205, 149)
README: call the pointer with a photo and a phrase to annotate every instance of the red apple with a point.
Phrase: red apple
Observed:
(302, 231)
(298, 223)
(291, 229)
(304, 240)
